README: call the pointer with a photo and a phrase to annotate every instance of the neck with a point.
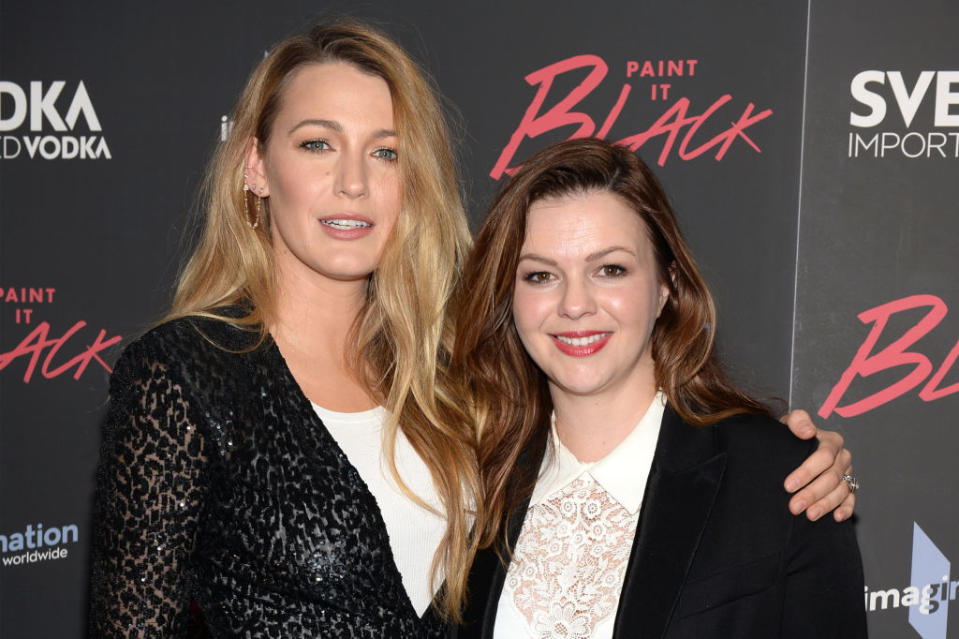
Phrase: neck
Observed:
(314, 314)
(311, 326)
(591, 427)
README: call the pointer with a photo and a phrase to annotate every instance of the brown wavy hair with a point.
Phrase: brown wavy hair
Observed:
(401, 340)
(510, 394)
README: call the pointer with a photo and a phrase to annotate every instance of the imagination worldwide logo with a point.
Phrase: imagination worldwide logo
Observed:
(37, 543)
(927, 596)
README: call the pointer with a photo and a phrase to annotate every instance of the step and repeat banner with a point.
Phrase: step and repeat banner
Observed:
(876, 334)
(809, 149)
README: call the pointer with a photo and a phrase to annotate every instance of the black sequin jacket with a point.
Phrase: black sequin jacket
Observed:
(220, 491)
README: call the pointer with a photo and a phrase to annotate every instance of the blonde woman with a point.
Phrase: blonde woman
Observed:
(240, 468)
(286, 455)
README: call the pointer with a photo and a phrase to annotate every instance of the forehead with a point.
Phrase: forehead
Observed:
(584, 223)
(336, 89)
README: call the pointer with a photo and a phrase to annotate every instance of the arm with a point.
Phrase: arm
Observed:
(148, 499)
(820, 476)
(824, 582)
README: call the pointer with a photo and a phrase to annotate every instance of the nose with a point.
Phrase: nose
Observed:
(351, 179)
(577, 299)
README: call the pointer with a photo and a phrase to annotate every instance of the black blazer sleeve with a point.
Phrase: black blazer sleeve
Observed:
(823, 581)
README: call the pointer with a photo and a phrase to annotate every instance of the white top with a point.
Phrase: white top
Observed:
(414, 531)
(571, 556)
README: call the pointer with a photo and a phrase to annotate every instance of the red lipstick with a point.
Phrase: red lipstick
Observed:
(580, 343)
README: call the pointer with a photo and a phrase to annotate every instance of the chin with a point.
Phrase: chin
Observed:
(579, 385)
(347, 276)
(345, 270)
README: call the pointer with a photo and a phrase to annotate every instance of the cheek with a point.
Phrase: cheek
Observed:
(290, 186)
(637, 307)
(392, 223)
(520, 314)
(527, 322)
(390, 210)
(388, 192)
(527, 312)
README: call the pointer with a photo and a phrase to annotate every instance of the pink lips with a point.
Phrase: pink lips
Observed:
(346, 226)
(581, 343)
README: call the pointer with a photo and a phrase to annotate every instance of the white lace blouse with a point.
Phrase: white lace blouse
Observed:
(571, 555)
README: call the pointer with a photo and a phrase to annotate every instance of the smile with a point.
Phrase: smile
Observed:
(581, 343)
(346, 225)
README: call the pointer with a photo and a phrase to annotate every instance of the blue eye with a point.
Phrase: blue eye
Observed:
(386, 153)
(316, 145)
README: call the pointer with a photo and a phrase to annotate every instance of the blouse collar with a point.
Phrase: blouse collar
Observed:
(622, 472)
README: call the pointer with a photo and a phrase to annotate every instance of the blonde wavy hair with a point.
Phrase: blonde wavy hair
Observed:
(401, 340)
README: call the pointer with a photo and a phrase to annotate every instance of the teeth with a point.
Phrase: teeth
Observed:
(346, 224)
(581, 341)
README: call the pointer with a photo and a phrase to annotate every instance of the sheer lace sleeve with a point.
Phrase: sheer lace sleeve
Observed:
(150, 491)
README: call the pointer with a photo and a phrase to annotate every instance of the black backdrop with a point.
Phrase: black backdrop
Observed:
(751, 139)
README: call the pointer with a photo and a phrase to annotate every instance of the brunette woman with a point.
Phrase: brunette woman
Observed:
(630, 487)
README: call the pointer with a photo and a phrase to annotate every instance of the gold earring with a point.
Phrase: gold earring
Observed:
(252, 220)
(260, 211)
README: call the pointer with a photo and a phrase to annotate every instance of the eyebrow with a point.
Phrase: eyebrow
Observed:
(333, 125)
(589, 258)
(598, 254)
(537, 258)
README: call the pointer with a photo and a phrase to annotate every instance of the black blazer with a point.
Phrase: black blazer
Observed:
(716, 552)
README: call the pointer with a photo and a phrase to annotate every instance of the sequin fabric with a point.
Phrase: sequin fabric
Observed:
(219, 489)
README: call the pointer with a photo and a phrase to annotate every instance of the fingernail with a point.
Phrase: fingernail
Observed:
(814, 513)
(791, 485)
(799, 506)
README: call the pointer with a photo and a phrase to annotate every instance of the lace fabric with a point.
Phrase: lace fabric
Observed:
(570, 560)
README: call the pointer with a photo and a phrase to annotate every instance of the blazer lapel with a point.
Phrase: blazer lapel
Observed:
(485, 583)
(682, 486)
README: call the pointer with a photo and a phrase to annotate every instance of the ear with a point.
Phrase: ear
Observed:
(254, 170)
(664, 287)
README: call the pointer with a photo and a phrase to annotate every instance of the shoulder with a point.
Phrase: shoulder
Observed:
(750, 426)
(756, 430)
(192, 336)
(185, 349)
(760, 443)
